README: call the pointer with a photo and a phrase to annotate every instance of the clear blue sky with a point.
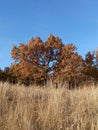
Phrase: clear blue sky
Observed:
(74, 21)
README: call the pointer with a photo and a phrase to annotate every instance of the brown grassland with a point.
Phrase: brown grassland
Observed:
(48, 108)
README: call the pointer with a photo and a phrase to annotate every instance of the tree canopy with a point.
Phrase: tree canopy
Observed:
(38, 61)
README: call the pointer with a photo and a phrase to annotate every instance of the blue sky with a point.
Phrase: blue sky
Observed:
(74, 21)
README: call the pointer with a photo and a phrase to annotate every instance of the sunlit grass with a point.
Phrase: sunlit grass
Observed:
(35, 108)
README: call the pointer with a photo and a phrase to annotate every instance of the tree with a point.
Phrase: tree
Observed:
(27, 66)
(37, 61)
(91, 66)
(2, 76)
(70, 68)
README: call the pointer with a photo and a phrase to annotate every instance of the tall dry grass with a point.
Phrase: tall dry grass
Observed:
(35, 108)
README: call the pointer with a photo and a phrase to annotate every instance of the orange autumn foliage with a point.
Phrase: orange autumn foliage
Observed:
(38, 61)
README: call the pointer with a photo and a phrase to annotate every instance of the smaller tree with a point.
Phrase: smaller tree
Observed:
(91, 66)
(2, 75)
(8, 75)
(70, 67)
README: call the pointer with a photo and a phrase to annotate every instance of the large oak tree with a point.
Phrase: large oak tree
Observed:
(37, 61)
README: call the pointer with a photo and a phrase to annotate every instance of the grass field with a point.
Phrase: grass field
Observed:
(35, 108)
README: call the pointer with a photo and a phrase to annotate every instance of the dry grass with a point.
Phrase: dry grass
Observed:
(48, 108)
